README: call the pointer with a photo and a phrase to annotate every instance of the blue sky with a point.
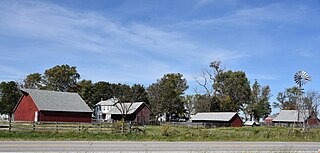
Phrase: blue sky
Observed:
(139, 41)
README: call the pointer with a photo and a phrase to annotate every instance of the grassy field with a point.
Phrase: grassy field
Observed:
(170, 133)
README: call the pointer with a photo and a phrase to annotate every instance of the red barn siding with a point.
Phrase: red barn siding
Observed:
(236, 121)
(313, 120)
(54, 116)
(143, 115)
(26, 109)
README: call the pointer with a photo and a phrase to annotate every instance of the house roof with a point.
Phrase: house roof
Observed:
(57, 101)
(291, 116)
(109, 102)
(214, 116)
(125, 107)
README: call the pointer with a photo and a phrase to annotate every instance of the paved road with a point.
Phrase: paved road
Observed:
(149, 147)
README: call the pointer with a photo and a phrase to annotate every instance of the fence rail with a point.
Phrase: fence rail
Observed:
(65, 127)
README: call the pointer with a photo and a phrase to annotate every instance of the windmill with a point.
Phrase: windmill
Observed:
(301, 78)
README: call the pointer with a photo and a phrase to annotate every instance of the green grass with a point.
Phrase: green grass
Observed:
(170, 133)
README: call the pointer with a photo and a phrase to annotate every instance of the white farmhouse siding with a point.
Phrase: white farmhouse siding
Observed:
(102, 109)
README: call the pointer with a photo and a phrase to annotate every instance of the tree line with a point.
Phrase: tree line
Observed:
(218, 90)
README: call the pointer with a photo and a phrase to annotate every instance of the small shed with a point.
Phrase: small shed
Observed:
(218, 119)
(294, 116)
(251, 123)
(51, 106)
(137, 112)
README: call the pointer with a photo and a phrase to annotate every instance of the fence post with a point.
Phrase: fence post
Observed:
(57, 127)
(33, 126)
(10, 125)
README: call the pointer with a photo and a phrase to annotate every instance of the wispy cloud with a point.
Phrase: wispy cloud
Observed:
(264, 77)
(275, 12)
(10, 71)
(133, 48)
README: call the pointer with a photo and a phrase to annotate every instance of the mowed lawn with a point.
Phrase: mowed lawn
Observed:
(171, 133)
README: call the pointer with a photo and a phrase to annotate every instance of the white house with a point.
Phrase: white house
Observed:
(102, 109)
(4, 117)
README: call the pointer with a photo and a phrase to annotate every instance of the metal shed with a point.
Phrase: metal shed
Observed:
(218, 119)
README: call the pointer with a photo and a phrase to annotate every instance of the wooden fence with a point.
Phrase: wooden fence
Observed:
(65, 127)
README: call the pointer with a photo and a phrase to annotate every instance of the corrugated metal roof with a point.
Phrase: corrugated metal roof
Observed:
(58, 101)
(125, 107)
(291, 116)
(109, 102)
(214, 116)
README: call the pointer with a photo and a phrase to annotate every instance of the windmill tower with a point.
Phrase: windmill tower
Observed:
(301, 78)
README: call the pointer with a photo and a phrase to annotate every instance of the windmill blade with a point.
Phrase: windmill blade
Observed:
(301, 78)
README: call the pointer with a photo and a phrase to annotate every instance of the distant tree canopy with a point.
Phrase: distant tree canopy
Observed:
(233, 89)
(66, 78)
(33, 81)
(93, 93)
(10, 96)
(165, 95)
(287, 99)
(224, 90)
(259, 105)
(61, 78)
(58, 78)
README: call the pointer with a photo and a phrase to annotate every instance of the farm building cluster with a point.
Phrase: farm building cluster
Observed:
(52, 106)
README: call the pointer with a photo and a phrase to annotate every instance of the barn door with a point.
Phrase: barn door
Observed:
(36, 114)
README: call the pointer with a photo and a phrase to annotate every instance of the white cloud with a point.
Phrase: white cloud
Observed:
(133, 51)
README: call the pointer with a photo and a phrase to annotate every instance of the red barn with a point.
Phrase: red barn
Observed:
(51, 106)
(218, 119)
(138, 112)
(290, 117)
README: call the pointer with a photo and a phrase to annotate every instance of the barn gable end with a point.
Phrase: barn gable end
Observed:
(26, 109)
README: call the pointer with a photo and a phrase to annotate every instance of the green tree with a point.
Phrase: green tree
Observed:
(223, 90)
(84, 88)
(202, 103)
(287, 100)
(10, 96)
(259, 105)
(61, 78)
(233, 88)
(312, 101)
(208, 82)
(166, 94)
(139, 93)
(33, 81)
(100, 91)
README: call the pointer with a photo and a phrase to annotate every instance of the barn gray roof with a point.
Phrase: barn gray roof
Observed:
(57, 101)
(125, 107)
(214, 116)
(291, 116)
